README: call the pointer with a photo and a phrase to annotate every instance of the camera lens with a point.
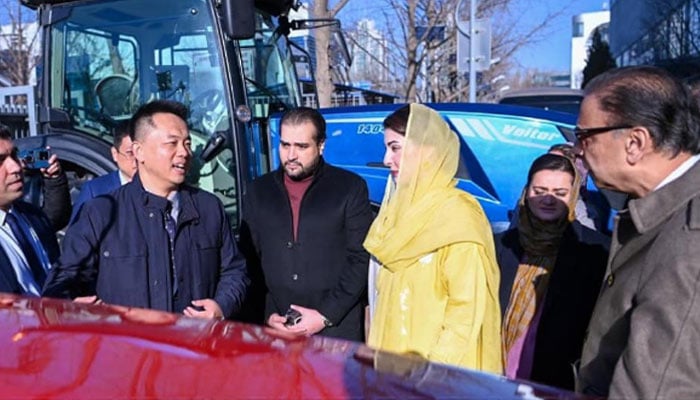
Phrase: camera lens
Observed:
(28, 159)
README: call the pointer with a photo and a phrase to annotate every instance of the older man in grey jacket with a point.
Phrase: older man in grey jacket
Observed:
(639, 132)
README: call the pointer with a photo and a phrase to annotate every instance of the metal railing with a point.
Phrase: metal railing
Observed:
(18, 110)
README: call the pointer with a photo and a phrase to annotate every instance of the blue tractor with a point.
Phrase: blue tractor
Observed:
(498, 143)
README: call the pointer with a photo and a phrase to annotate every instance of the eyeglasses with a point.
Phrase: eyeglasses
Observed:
(584, 133)
(127, 154)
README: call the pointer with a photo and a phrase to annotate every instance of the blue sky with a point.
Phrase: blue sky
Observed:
(549, 54)
(554, 52)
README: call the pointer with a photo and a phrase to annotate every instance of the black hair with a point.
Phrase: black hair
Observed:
(551, 162)
(120, 132)
(5, 133)
(650, 97)
(144, 115)
(300, 115)
(398, 120)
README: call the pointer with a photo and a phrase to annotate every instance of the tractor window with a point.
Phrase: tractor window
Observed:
(110, 57)
(181, 70)
(270, 75)
(100, 69)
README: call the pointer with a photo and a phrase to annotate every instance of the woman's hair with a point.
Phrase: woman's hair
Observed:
(565, 149)
(551, 162)
(398, 120)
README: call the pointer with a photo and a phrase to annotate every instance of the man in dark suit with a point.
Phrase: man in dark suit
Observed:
(28, 244)
(154, 242)
(304, 225)
(123, 155)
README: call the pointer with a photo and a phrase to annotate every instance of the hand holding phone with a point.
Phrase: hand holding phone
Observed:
(35, 159)
(293, 317)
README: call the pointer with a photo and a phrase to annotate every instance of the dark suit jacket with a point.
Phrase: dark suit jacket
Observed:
(96, 187)
(119, 241)
(326, 267)
(51, 194)
(571, 295)
(42, 226)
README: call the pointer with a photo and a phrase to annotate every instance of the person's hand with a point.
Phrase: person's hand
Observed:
(311, 320)
(54, 168)
(87, 300)
(276, 322)
(204, 308)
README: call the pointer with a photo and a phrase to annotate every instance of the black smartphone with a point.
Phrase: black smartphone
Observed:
(293, 317)
(35, 159)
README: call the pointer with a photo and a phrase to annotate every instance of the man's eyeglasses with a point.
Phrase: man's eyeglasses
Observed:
(127, 154)
(582, 133)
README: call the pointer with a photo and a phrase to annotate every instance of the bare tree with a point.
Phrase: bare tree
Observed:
(18, 43)
(368, 46)
(418, 44)
(426, 58)
(324, 83)
(417, 41)
(674, 32)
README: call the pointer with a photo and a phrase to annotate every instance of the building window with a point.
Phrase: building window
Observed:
(578, 29)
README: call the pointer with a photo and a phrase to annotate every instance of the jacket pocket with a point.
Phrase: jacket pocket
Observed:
(207, 270)
(208, 254)
(123, 276)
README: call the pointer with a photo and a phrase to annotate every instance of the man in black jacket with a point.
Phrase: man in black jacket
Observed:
(155, 242)
(303, 229)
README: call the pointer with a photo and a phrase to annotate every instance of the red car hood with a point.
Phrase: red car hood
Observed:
(59, 349)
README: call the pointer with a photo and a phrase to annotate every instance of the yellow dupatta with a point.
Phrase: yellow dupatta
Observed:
(423, 212)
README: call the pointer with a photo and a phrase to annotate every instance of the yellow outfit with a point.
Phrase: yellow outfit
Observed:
(437, 289)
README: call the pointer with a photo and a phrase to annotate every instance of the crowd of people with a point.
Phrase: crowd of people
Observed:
(554, 299)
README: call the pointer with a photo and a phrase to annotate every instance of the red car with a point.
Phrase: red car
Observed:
(59, 349)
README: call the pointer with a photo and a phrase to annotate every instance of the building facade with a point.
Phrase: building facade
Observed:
(659, 32)
(369, 49)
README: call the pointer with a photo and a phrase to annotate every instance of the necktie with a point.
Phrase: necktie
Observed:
(26, 245)
(170, 227)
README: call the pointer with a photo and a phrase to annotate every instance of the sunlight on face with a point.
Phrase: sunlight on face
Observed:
(549, 193)
(164, 154)
(11, 176)
(394, 143)
(299, 152)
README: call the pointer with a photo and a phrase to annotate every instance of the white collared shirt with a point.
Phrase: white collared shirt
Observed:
(678, 172)
(123, 179)
(18, 260)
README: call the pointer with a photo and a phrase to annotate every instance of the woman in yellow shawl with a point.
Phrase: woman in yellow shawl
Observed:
(437, 287)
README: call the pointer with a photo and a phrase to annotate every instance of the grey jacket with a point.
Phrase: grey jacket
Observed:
(644, 335)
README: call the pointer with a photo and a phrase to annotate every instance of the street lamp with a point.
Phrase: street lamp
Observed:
(472, 45)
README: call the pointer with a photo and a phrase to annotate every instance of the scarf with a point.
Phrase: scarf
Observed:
(422, 210)
(540, 241)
